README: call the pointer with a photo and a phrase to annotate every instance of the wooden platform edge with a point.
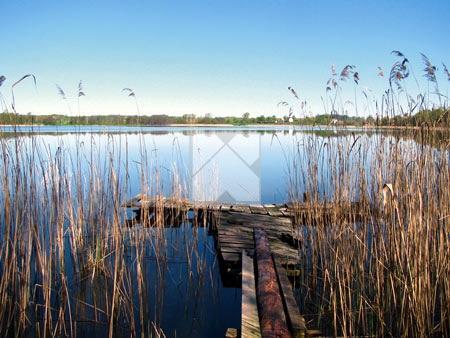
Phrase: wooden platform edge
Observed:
(296, 321)
(249, 315)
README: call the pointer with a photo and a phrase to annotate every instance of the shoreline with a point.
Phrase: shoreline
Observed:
(224, 125)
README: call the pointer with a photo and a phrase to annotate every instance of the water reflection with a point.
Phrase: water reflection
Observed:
(227, 164)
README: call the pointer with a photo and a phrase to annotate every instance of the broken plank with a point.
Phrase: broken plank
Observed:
(296, 321)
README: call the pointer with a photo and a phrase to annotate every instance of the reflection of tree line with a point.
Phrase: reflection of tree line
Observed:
(424, 135)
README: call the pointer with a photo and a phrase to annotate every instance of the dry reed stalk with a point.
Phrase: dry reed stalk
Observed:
(385, 272)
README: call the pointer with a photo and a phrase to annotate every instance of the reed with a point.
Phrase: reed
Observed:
(375, 249)
(377, 266)
(67, 258)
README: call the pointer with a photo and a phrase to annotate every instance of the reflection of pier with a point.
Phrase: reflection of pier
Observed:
(257, 241)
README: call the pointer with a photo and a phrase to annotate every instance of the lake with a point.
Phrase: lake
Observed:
(85, 171)
(226, 164)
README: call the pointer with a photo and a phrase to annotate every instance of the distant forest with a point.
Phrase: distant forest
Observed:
(435, 118)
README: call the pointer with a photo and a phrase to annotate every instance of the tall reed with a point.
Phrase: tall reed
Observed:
(68, 261)
(376, 248)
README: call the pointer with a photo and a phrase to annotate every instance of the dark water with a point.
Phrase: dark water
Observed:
(184, 297)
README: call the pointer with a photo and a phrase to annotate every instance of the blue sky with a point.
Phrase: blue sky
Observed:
(218, 57)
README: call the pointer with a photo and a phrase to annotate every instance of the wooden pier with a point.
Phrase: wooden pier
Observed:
(234, 233)
(234, 228)
(232, 225)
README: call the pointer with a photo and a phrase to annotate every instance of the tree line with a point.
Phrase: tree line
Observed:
(435, 117)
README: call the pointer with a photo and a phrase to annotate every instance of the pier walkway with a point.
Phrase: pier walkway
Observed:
(261, 241)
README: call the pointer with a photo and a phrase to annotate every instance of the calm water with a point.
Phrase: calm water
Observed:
(243, 164)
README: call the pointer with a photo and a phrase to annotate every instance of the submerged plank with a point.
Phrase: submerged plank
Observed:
(295, 320)
(249, 318)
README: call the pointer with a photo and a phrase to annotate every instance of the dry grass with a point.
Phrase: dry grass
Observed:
(384, 269)
(376, 247)
(66, 259)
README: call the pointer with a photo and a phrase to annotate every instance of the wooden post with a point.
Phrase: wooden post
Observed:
(270, 305)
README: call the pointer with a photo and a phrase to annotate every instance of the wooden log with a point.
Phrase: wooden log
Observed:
(270, 305)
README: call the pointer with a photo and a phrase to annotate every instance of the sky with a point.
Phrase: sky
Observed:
(197, 57)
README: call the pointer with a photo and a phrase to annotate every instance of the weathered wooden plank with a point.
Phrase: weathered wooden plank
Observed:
(278, 231)
(142, 200)
(258, 209)
(235, 232)
(231, 333)
(236, 240)
(235, 229)
(255, 218)
(270, 305)
(236, 250)
(286, 212)
(236, 208)
(246, 209)
(231, 246)
(231, 257)
(274, 228)
(274, 240)
(231, 250)
(249, 318)
(269, 205)
(295, 320)
(225, 207)
(236, 235)
(262, 215)
(131, 202)
(273, 210)
(273, 237)
(247, 232)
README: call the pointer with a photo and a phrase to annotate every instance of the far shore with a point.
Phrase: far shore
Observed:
(224, 125)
